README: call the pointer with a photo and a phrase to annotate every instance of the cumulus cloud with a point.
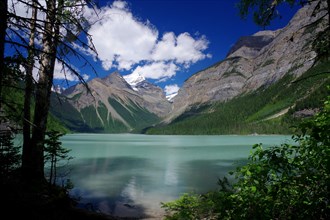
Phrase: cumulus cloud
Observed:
(121, 39)
(171, 89)
(126, 42)
(184, 49)
(157, 70)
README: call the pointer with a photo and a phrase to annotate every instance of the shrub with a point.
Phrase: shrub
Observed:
(280, 182)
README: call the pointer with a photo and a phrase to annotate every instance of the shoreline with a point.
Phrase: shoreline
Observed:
(121, 210)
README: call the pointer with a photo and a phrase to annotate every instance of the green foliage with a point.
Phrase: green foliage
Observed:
(212, 205)
(99, 119)
(136, 116)
(54, 124)
(280, 182)
(91, 119)
(54, 153)
(185, 207)
(77, 96)
(13, 100)
(10, 156)
(264, 11)
(248, 113)
(13, 97)
(322, 44)
(64, 112)
(110, 124)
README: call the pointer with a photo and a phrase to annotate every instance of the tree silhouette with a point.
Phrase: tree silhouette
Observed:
(55, 153)
(57, 36)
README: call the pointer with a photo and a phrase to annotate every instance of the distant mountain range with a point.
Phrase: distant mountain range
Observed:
(111, 105)
(253, 65)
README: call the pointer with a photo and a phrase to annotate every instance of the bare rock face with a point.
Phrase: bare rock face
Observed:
(305, 113)
(220, 82)
(154, 98)
(249, 46)
(254, 61)
(115, 95)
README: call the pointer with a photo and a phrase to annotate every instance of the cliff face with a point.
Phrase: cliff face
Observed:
(250, 45)
(254, 61)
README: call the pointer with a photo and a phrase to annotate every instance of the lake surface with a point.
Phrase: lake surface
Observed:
(129, 175)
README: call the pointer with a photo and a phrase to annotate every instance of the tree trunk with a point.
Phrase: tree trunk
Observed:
(328, 8)
(28, 91)
(43, 91)
(3, 27)
(55, 171)
(51, 170)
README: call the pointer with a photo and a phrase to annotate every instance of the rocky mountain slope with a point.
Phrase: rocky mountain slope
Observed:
(112, 105)
(263, 65)
(253, 62)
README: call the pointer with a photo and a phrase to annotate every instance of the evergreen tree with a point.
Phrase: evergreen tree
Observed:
(9, 155)
(54, 154)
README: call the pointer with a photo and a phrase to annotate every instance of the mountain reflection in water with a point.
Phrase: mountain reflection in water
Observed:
(129, 175)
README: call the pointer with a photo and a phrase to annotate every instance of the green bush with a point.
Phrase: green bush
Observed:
(10, 156)
(280, 182)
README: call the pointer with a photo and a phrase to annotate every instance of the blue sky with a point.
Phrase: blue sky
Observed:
(166, 41)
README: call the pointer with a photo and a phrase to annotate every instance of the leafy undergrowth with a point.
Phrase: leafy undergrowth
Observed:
(281, 182)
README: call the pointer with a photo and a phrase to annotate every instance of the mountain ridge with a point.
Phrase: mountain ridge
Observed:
(255, 42)
(111, 101)
(255, 63)
(288, 51)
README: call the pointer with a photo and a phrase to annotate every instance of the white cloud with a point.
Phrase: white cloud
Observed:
(63, 73)
(60, 73)
(21, 9)
(124, 41)
(184, 49)
(171, 89)
(121, 38)
(157, 70)
(120, 4)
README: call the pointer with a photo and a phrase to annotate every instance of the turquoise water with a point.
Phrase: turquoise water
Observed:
(130, 175)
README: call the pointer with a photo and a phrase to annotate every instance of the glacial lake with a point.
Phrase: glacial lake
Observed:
(129, 175)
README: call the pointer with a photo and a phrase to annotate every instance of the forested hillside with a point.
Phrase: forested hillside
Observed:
(252, 112)
(14, 96)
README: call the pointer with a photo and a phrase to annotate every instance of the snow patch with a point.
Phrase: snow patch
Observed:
(171, 96)
(134, 79)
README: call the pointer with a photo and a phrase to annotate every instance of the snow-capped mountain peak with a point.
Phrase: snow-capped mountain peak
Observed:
(133, 79)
